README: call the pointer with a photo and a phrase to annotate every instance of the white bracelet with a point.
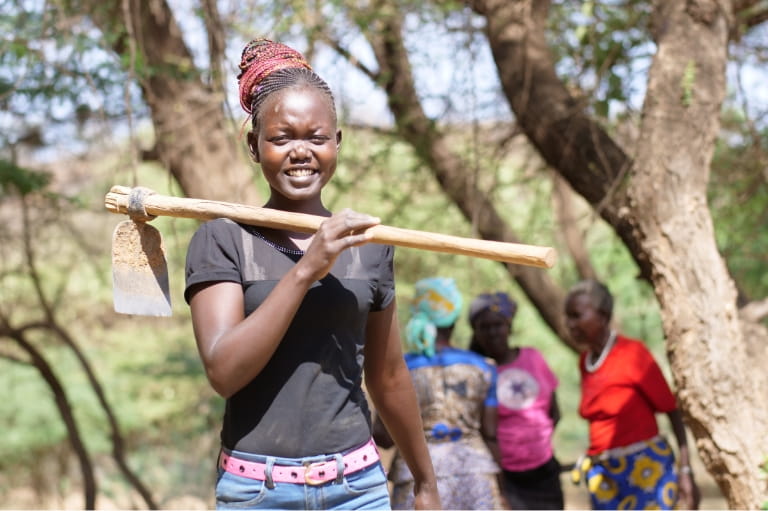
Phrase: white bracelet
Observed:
(686, 469)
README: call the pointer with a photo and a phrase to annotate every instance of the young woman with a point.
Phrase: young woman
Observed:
(286, 322)
(527, 407)
(628, 465)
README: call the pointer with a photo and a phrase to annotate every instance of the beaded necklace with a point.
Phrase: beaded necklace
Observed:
(284, 250)
(591, 366)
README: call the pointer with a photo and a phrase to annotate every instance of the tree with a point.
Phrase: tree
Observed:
(26, 326)
(194, 137)
(651, 187)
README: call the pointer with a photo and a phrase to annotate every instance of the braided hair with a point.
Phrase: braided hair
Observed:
(267, 67)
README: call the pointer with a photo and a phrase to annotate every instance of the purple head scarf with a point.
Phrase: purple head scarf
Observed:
(498, 302)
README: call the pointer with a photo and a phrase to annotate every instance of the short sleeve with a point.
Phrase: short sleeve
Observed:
(651, 381)
(213, 255)
(491, 400)
(546, 371)
(385, 289)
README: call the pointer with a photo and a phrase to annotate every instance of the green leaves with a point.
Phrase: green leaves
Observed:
(20, 179)
(687, 83)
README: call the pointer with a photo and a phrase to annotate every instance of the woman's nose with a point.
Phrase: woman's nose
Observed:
(299, 150)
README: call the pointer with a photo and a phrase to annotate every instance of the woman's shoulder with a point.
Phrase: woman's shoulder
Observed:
(378, 250)
(218, 225)
(530, 352)
(629, 343)
(461, 355)
(529, 355)
(634, 349)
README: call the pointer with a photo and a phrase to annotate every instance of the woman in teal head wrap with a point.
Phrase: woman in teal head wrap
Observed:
(435, 307)
(456, 389)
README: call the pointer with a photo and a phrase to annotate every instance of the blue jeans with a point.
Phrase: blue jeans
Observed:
(364, 489)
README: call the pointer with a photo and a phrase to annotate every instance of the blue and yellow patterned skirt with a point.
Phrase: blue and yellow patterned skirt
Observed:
(640, 476)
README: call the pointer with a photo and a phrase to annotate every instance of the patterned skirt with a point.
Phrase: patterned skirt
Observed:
(467, 476)
(640, 476)
(466, 491)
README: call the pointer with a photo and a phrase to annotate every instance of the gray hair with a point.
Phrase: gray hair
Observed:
(597, 293)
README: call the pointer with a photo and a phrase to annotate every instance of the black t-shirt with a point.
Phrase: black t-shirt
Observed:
(308, 399)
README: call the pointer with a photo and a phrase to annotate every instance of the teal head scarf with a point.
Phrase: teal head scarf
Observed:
(436, 304)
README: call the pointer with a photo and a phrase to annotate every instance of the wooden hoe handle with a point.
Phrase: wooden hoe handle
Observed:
(119, 198)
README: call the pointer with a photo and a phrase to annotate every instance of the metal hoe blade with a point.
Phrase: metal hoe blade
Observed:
(139, 270)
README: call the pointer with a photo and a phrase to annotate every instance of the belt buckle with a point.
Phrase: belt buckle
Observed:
(308, 480)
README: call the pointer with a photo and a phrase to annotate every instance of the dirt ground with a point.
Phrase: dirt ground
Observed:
(576, 496)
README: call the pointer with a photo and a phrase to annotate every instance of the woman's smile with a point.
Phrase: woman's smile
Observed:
(300, 172)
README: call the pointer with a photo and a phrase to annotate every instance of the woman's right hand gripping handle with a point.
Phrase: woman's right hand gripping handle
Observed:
(339, 232)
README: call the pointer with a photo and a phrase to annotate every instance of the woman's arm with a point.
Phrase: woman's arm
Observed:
(380, 433)
(690, 496)
(234, 348)
(390, 387)
(554, 409)
(489, 425)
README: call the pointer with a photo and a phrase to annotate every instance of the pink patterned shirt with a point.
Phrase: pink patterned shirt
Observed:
(524, 392)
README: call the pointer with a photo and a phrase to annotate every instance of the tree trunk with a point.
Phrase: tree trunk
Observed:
(194, 139)
(664, 219)
(697, 295)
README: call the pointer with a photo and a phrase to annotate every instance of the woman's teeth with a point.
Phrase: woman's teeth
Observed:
(299, 172)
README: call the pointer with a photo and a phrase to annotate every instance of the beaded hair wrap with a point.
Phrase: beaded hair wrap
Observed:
(260, 58)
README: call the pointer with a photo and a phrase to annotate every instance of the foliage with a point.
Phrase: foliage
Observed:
(58, 86)
(738, 197)
(764, 471)
(151, 380)
(602, 49)
(20, 179)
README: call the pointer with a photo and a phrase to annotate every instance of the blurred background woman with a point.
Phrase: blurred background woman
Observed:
(628, 465)
(527, 407)
(456, 389)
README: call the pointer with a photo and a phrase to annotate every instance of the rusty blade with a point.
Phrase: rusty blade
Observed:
(139, 270)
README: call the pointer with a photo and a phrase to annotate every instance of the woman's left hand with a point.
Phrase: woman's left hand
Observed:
(689, 495)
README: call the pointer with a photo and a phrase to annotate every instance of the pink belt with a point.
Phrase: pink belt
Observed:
(310, 473)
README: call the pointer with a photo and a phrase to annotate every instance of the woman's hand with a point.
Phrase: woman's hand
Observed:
(689, 494)
(343, 230)
(427, 498)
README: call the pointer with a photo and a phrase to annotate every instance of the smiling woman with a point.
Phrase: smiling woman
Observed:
(629, 464)
(285, 322)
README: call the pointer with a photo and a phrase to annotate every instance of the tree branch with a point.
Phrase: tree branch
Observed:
(437, 154)
(344, 52)
(755, 311)
(63, 406)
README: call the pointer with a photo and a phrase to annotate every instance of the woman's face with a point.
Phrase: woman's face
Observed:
(296, 144)
(491, 331)
(586, 324)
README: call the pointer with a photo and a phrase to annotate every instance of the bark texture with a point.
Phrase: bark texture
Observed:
(194, 139)
(706, 347)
